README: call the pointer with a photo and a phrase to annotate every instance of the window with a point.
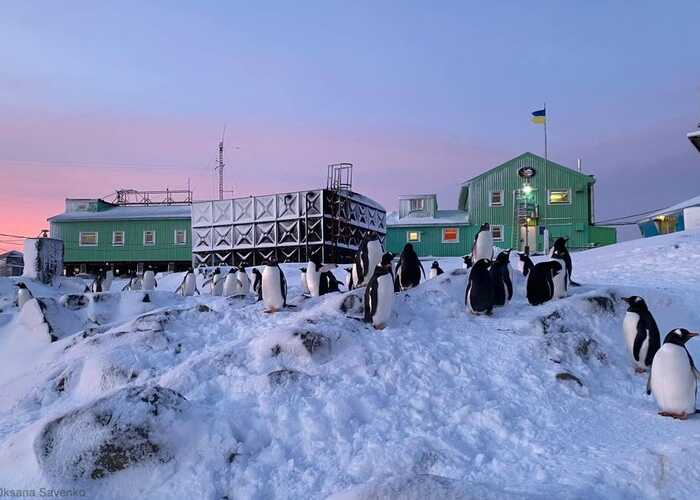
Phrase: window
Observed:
(149, 238)
(496, 199)
(497, 233)
(413, 236)
(417, 204)
(180, 237)
(88, 239)
(118, 239)
(450, 235)
(560, 197)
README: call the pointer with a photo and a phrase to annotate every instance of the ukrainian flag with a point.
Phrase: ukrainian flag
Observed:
(539, 116)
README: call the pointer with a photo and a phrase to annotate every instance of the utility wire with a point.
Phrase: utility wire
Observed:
(628, 216)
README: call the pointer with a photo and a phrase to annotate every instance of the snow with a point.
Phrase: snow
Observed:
(442, 217)
(128, 213)
(209, 397)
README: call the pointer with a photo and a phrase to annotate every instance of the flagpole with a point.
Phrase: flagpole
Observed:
(546, 161)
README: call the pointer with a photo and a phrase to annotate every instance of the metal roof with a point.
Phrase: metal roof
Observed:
(694, 138)
(692, 202)
(128, 213)
(442, 218)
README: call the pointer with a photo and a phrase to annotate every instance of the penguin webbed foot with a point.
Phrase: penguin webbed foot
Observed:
(675, 416)
(637, 369)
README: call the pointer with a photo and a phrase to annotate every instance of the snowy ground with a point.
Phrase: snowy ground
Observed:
(208, 397)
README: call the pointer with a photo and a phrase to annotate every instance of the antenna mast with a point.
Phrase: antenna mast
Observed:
(221, 165)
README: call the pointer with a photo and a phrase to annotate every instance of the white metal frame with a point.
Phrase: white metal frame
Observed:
(80, 239)
(549, 196)
(184, 239)
(449, 241)
(491, 203)
(154, 238)
(408, 236)
(114, 242)
(501, 229)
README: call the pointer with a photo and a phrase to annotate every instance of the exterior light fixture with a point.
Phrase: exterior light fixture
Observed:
(527, 189)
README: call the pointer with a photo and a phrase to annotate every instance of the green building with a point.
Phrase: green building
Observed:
(98, 234)
(525, 200)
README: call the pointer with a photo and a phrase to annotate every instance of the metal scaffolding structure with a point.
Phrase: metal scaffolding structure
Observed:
(146, 198)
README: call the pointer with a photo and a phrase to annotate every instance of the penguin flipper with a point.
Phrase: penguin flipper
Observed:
(509, 284)
(642, 334)
(649, 384)
(283, 286)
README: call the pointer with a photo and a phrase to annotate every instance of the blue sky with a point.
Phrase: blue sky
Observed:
(419, 95)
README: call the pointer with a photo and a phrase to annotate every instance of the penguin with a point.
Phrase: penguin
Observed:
(274, 287)
(232, 285)
(304, 284)
(348, 278)
(216, 281)
(560, 281)
(96, 285)
(107, 282)
(188, 286)
(559, 251)
(257, 284)
(539, 286)
(479, 297)
(23, 294)
(673, 378)
(328, 283)
(379, 294)
(641, 333)
(367, 258)
(149, 279)
(313, 275)
(133, 284)
(525, 264)
(500, 277)
(467, 262)
(408, 271)
(243, 278)
(435, 270)
(483, 244)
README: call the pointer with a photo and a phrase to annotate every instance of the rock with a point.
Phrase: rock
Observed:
(569, 376)
(315, 343)
(74, 302)
(285, 376)
(352, 304)
(603, 303)
(131, 426)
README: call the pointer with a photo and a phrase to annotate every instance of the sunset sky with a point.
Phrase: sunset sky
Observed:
(420, 96)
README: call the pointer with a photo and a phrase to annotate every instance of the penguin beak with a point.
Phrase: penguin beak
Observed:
(693, 334)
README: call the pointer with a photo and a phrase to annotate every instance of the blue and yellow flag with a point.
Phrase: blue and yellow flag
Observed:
(539, 116)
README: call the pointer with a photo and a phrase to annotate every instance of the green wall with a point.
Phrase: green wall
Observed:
(133, 249)
(431, 240)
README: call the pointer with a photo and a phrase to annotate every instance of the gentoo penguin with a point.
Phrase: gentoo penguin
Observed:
(525, 264)
(149, 279)
(408, 272)
(314, 270)
(560, 280)
(257, 284)
(133, 284)
(23, 294)
(367, 258)
(435, 270)
(539, 286)
(232, 286)
(329, 283)
(483, 244)
(641, 333)
(274, 287)
(500, 277)
(243, 278)
(467, 262)
(348, 278)
(379, 294)
(216, 282)
(559, 251)
(107, 282)
(673, 378)
(188, 286)
(304, 284)
(96, 285)
(479, 297)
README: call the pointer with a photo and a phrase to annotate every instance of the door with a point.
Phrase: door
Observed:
(528, 237)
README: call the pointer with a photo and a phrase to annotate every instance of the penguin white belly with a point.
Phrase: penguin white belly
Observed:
(433, 273)
(673, 382)
(469, 301)
(355, 275)
(189, 286)
(629, 330)
(232, 286)
(348, 280)
(107, 283)
(559, 285)
(23, 296)
(244, 281)
(304, 283)
(374, 257)
(217, 285)
(149, 280)
(272, 289)
(483, 249)
(135, 284)
(385, 300)
(313, 280)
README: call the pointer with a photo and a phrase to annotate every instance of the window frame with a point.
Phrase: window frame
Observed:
(417, 201)
(114, 243)
(501, 229)
(154, 237)
(502, 203)
(408, 236)
(80, 239)
(549, 196)
(456, 240)
(184, 239)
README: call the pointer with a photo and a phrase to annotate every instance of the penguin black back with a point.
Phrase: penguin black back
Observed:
(437, 268)
(408, 274)
(540, 282)
(647, 329)
(479, 296)
(500, 276)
